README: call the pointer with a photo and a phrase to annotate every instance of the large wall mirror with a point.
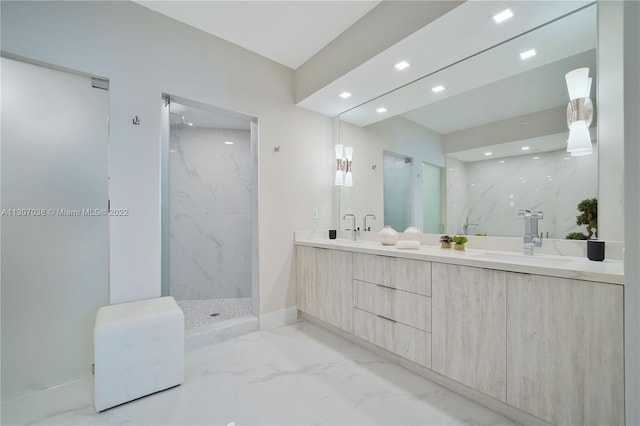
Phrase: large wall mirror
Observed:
(467, 158)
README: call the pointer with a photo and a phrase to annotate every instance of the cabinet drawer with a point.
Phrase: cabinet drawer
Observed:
(408, 308)
(408, 342)
(403, 274)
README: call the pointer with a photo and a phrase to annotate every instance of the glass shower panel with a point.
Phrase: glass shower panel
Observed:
(165, 140)
(432, 199)
(207, 213)
(397, 191)
(54, 223)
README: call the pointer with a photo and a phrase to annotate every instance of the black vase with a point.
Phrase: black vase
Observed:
(595, 250)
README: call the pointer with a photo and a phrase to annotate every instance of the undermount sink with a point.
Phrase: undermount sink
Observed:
(538, 260)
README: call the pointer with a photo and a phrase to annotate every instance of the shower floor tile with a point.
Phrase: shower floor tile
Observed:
(198, 313)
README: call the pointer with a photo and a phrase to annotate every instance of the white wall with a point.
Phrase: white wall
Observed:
(144, 54)
(610, 108)
(632, 209)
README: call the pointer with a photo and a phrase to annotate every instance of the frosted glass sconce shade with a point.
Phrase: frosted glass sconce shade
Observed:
(578, 83)
(348, 153)
(579, 112)
(579, 142)
(344, 157)
(348, 179)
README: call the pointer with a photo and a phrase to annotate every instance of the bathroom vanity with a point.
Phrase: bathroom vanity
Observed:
(538, 338)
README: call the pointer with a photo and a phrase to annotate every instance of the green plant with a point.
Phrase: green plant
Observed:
(480, 234)
(445, 239)
(588, 216)
(459, 239)
(576, 236)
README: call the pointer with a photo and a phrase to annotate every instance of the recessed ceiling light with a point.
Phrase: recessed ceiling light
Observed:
(536, 158)
(525, 148)
(172, 150)
(402, 65)
(503, 16)
(345, 95)
(381, 110)
(529, 53)
(567, 158)
(487, 154)
(228, 143)
(437, 89)
(501, 161)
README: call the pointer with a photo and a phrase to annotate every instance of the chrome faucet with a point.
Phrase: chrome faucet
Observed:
(465, 227)
(364, 221)
(353, 225)
(531, 238)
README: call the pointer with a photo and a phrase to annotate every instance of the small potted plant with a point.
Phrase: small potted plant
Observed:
(588, 216)
(459, 241)
(445, 241)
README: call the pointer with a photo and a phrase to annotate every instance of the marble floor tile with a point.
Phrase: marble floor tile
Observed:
(299, 374)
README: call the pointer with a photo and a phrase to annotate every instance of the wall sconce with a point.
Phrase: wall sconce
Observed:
(579, 112)
(344, 157)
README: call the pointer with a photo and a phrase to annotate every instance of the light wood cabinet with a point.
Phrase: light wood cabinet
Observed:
(392, 307)
(469, 342)
(408, 342)
(324, 288)
(551, 347)
(565, 349)
(407, 308)
(403, 274)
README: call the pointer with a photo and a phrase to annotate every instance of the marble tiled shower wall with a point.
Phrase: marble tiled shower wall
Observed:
(554, 183)
(210, 228)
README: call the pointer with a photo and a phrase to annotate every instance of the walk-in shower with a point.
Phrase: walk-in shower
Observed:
(209, 218)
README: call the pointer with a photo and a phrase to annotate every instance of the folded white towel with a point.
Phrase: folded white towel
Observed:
(409, 245)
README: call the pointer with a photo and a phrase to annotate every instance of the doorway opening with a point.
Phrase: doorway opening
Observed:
(209, 213)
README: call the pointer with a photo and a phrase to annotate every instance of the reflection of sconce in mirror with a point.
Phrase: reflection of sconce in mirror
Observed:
(579, 112)
(344, 157)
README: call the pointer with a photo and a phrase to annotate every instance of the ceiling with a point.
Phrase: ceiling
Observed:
(291, 32)
(451, 38)
(496, 84)
(287, 32)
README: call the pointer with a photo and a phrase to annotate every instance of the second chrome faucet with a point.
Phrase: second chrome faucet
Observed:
(353, 229)
(364, 221)
(354, 236)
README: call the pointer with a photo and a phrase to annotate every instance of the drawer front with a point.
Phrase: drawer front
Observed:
(408, 342)
(408, 308)
(403, 274)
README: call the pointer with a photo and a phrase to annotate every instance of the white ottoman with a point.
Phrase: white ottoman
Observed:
(138, 350)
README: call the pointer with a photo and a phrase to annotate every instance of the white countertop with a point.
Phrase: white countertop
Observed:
(579, 268)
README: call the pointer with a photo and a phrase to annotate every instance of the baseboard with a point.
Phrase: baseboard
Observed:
(278, 318)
